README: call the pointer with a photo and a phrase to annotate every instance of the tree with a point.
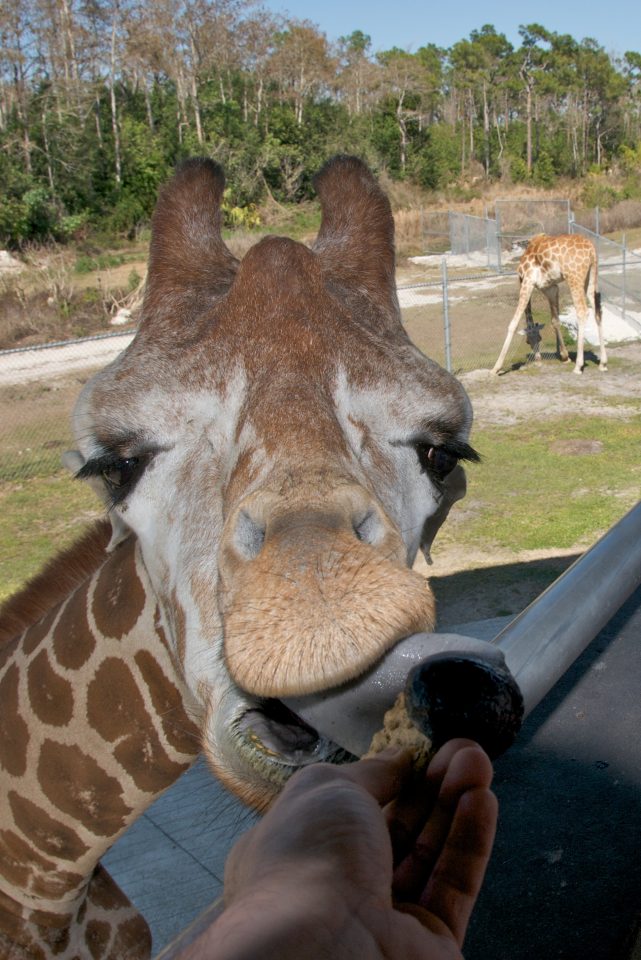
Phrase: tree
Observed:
(357, 75)
(406, 81)
(301, 64)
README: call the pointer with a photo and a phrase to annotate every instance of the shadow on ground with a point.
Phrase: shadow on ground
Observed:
(498, 591)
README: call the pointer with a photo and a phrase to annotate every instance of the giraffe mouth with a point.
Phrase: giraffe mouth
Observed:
(284, 738)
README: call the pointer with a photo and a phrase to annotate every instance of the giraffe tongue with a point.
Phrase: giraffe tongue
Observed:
(350, 715)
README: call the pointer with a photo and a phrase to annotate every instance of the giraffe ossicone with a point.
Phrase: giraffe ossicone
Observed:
(547, 261)
(274, 452)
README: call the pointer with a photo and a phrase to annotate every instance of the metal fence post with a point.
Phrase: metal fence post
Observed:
(446, 318)
(623, 276)
(497, 217)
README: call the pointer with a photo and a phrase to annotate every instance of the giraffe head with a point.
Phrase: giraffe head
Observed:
(281, 451)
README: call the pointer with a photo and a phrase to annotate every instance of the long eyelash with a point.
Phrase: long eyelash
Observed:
(96, 466)
(460, 450)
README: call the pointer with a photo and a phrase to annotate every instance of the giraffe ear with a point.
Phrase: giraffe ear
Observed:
(189, 265)
(355, 243)
(73, 460)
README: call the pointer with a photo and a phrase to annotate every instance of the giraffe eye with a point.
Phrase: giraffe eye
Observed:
(439, 461)
(436, 460)
(119, 474)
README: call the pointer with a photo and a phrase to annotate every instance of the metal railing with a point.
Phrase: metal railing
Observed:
(548, 636)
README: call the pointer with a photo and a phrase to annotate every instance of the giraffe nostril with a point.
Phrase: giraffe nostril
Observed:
(249, 536)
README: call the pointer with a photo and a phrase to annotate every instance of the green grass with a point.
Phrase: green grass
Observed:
(39, 517)
(35, 433)
(527, 494)
(102, 261)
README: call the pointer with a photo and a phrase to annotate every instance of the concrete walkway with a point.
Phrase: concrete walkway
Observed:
(565, 876)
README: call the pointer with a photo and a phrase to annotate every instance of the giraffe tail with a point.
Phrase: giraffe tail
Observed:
(597, 305)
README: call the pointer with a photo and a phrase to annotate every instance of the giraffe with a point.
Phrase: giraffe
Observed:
(93, 673)
(546, 262)
(273, 451)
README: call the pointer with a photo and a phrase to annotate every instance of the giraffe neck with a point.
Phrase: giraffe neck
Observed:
(95, 722)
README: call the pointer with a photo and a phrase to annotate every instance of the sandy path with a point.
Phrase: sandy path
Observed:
(44, 363)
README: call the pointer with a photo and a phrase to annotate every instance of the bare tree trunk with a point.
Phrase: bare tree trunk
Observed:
(259, 99)
(586, 131)
(45, 141)
(70, 59)
(194, 89)
(486, 132)
(499, 137)
(402, 129)
(96, 113)
(148, 107)
(21, 102)
(183, 120)
(197, 117)
(528, 121)
(26, 149)
(112, 100)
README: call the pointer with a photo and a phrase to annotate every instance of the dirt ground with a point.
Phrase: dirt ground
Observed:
(468, 584)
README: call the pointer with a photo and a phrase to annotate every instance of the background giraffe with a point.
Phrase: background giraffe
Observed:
(546, 262)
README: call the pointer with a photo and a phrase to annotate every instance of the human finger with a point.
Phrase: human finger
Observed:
(458, 874)
(466, 767)
(408, 813)
(383, 776)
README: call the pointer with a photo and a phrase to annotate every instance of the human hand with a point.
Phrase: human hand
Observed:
(361, 861)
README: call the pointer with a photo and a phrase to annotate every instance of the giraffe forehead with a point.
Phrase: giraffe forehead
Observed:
(159, 407)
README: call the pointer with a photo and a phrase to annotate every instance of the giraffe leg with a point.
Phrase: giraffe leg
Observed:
(581, 307)
(603, 357)
(524, 299)
(532, 334)
(552, 296)
(594, 303)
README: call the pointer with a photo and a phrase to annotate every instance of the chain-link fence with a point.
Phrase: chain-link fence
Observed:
(475, 238)
(518, 220)
(461, 320)
(435, 230)
(495, 243)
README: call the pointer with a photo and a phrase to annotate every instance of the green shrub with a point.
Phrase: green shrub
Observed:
(133, 280)
(597, 192)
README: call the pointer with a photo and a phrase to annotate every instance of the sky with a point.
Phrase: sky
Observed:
(410, 25)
